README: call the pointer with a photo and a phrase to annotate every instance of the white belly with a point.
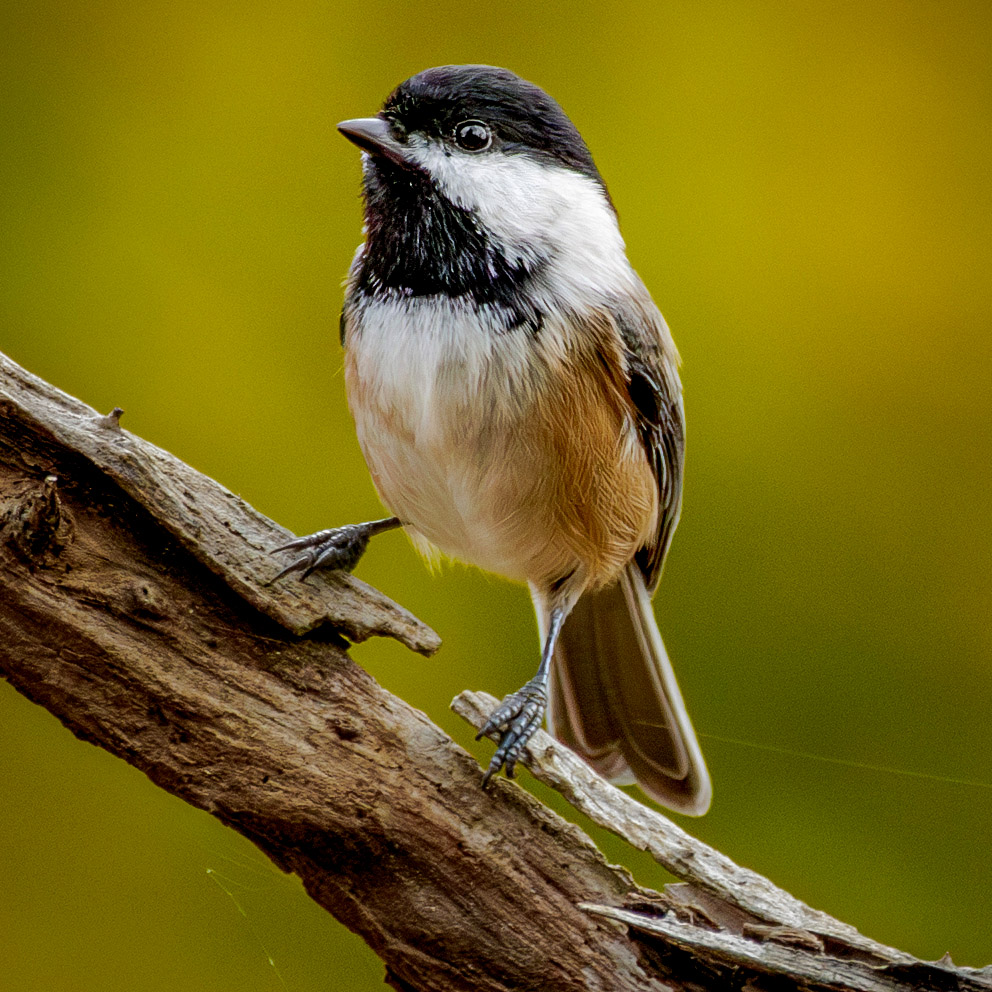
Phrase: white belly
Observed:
(436, 419)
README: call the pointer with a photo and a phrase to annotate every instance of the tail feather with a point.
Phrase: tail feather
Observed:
(614, 700)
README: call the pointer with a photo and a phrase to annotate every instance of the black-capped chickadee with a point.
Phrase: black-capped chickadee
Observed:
(516, 395)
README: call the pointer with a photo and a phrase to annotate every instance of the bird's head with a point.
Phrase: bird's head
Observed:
(473, 161)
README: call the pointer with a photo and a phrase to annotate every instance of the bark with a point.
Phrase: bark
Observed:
(133, 606)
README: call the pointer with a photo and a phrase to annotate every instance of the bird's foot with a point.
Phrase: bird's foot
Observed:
(338, 548)
(516, 718)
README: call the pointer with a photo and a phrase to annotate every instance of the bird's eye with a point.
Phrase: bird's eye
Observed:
(473, 136)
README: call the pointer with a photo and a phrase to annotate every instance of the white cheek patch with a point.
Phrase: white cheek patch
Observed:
(537, 212)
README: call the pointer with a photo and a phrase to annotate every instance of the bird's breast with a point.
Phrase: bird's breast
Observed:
(435, 393)
(425, 364)
(496, 446)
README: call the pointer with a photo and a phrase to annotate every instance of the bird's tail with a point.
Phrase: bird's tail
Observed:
(614, 700)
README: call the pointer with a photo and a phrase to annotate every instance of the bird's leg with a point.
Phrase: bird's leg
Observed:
(521, 713)
(337, 548)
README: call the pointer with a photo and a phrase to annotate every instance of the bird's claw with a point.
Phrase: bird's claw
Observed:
(338, 548)
(516, 718)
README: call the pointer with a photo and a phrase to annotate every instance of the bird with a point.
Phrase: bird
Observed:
(516, 396)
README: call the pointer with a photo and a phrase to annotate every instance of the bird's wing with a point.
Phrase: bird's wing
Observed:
(651, 373)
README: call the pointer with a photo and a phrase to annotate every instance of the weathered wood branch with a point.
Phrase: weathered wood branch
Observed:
(133, 606)
(748, 921)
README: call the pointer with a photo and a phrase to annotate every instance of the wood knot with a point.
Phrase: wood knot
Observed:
(34, 524)
(347, 728)
(143, 598)
(111, 420)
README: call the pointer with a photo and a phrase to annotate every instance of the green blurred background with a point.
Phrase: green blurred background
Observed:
(806, 190)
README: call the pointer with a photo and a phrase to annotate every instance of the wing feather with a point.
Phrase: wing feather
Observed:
(655, 393)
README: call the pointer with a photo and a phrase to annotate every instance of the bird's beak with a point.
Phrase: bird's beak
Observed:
(375, 136)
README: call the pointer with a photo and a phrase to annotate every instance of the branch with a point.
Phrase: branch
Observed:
(747, 921)
(133, 607)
